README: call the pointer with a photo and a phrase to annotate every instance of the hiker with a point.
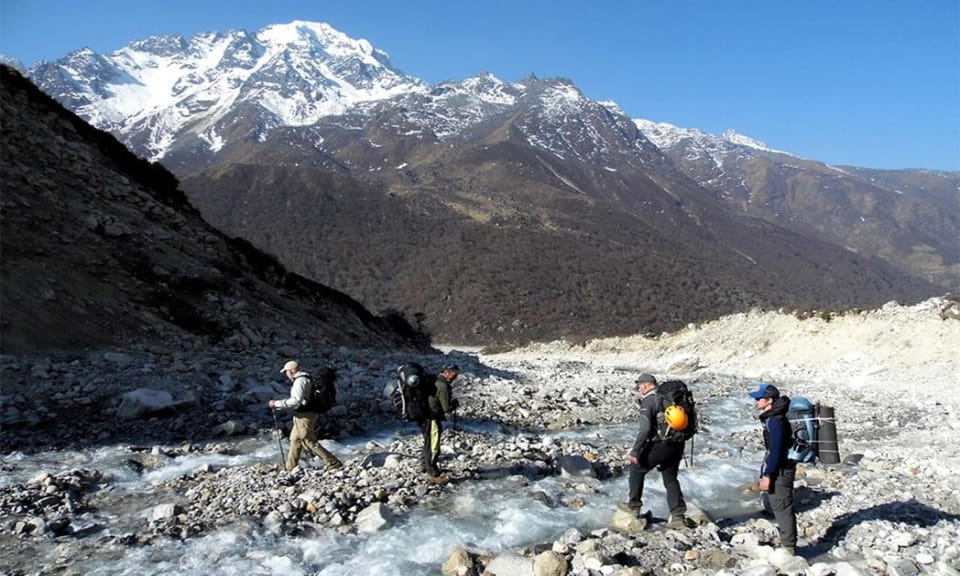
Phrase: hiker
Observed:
(440, 402)
(777, 471)
(302, 433)
(650, 451)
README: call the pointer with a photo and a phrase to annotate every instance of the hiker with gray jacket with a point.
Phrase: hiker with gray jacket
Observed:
(649, 451)
(302, 434)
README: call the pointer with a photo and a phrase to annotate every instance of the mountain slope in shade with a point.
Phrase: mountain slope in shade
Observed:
(102, 249)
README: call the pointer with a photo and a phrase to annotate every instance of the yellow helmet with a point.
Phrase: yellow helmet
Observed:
(676, 417)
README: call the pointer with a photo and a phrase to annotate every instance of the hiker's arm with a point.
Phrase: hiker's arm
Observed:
(443, 396)
(648, 418)
(297, 394)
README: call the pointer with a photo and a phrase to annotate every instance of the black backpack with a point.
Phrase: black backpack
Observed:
(676, 393)
(410, 396)
(323, 391)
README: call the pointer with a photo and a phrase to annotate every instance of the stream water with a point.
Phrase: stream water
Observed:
(495, 514)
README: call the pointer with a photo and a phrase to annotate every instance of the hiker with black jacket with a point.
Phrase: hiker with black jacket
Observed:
(302, 434)
(777, 472)
(649, 451)
(440, 403)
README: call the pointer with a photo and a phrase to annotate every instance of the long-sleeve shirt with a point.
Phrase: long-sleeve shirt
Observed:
(649, 403)
(298, 392)
(440, 397)
(776, 437)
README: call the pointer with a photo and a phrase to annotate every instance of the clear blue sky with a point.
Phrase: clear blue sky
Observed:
(872, 83)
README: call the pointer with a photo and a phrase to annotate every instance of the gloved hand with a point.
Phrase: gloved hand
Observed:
(454, 404)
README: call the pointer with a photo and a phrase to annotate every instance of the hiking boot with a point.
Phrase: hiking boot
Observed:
(631, 510)
(335, 465)
(438, 480)
(679, 522)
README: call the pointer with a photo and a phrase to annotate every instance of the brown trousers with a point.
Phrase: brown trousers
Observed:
(302, 436)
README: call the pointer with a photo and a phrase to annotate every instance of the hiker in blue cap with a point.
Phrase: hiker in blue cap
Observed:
(777, 472)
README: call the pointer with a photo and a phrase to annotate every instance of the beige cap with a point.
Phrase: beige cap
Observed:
(291, 365)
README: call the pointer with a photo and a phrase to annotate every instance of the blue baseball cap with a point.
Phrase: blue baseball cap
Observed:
(765, 390)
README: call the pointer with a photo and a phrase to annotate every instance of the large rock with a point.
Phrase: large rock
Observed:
(374, 517)
(575, 465)
(143, 402)
(458, 564)
(510, 564)
(626, 523)
(550, 563)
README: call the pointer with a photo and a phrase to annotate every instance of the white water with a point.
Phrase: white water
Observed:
(493, 515)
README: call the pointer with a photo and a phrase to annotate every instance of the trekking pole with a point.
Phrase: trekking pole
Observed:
(691, 450)
(276, 429)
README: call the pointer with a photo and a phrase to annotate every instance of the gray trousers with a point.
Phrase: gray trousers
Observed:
(780, 496)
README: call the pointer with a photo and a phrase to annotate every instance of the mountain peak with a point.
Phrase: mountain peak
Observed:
(301, 33)
(163, 88)
(12, 62)
(667, 136)
(730, 135)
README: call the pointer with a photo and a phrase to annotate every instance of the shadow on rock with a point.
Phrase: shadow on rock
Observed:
(910, 512)
(805, 498)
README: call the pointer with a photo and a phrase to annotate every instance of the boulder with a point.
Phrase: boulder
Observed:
(458, 564)
(144, 402)
(374, 518)
(575, 465)
(510, 564)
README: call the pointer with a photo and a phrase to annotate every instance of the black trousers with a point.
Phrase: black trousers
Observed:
(666, 457)
(780, 496)
(431, 430)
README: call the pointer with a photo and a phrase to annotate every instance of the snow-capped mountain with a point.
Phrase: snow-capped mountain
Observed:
(12, 62)
(201, 95)
(153, 92)
(715, 162)
(699, 143)
(220, 91)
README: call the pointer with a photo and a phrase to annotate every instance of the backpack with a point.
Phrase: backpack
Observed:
(410, 395)
(675, 396)
(323, 391)
(804, 422)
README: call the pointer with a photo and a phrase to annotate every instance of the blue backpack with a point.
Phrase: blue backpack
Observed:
(805, 430)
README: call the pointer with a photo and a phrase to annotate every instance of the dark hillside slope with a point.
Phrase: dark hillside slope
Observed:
(100, 248)
(494, 252)
(908, 218)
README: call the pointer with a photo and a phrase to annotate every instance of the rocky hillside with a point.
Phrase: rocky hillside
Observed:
(492, 240)
(909, 218)
(102, 249)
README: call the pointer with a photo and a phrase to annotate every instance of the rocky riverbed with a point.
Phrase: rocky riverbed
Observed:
(892, 506)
